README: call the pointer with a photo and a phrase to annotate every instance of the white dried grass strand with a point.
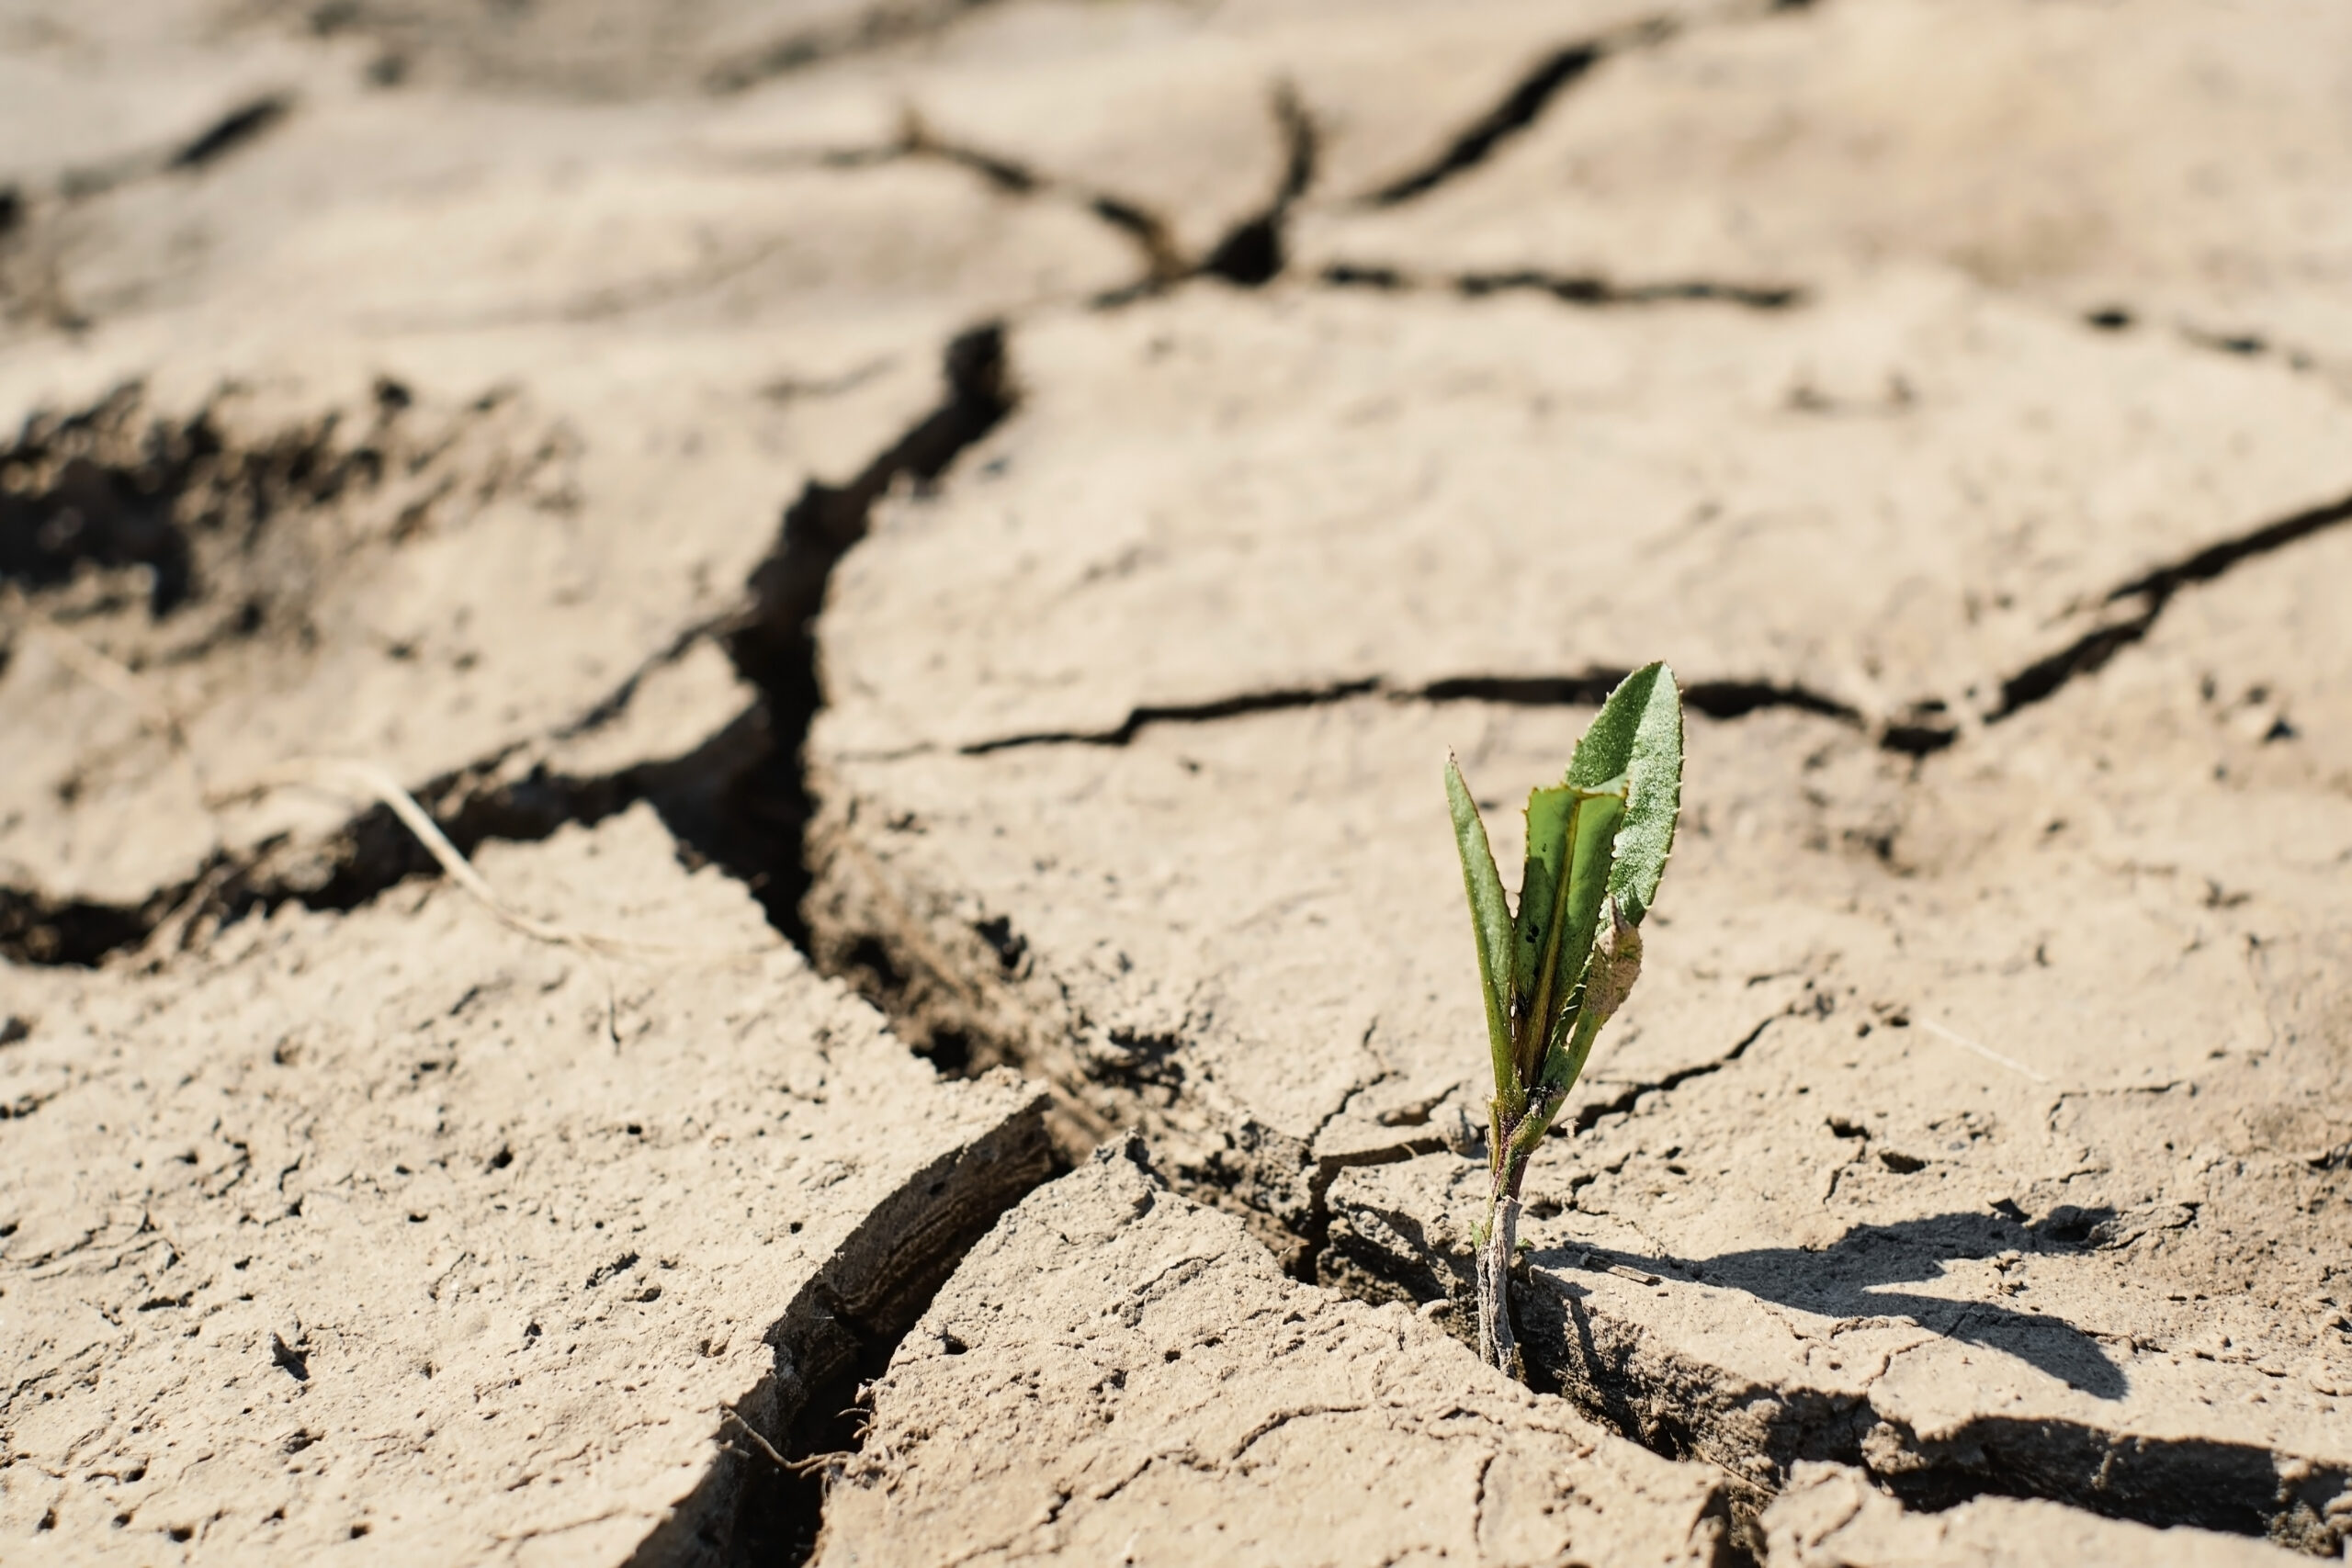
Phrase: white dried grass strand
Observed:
(1933, 1027)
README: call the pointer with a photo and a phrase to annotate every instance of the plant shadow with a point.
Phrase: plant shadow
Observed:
(1844, 1280)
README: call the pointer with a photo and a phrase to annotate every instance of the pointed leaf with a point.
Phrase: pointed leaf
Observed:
(1549, 814)
(1569, 834)
(1489, 923)
(1639, 735)
(1601, 816)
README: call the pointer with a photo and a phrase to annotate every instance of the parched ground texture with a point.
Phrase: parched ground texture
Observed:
(930, 551)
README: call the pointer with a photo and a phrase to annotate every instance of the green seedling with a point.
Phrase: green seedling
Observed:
(1553, 972)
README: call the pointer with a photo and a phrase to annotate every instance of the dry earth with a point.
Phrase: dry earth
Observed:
(932, 550)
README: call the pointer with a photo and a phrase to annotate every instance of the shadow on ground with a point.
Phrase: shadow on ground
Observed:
(1844, 1280)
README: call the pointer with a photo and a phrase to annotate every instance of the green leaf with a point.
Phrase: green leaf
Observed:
(1535, 950)
(1489, 923)
(1570, 1052)
(1600, 815)
(1568, 832)
(1639, 735)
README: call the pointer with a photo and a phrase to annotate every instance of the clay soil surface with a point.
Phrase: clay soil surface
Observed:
(720, 836)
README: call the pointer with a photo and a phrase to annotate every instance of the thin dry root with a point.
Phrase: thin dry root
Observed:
(326, 772)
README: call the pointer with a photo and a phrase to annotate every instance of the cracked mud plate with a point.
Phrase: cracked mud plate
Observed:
(361, 1232)
(433, 431)
(1831, 1517)
(1895, 506)
(1118, 1375)
(2015, 142)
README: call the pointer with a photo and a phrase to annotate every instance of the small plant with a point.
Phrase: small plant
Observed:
(1555, 970)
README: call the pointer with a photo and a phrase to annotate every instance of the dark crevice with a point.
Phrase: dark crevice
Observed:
(2252, 346)
(1164, 263)
(769, 806)
(1252, 253)
(1737, 699)
(1144, 227)
(1923, 729)
(1367, 275)
(616, 701)
(2214, 559)
(2136, 606)
(1007, 176)
(1589, 291)
(1477, 142)
(236, 130)
(1586, 288)
(231, 132)
(2086, 655)
(965, 994)
(1589, 1114)
(1136, 222)
(1716, 699)
(1520, 108)
(1314, 1231)
(39, 929)
(836, 1335)
(92, 488)
(2246, 345)
(374, 850)
(1140, 719)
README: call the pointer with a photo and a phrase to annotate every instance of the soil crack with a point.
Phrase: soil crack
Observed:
(1253, 252)
(1519, 108)
(236, 130)
(1589, 1116)
(1592, 290)
(1539, 86)
(1164, 263)
(1724, 699)
(491, 798)
(232, 132)
(2129, 611)
(806, 1420)
(759, 838)
(1140, 719)
(737, 799)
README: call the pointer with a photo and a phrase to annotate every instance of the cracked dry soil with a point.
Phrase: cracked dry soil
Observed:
(930, 554)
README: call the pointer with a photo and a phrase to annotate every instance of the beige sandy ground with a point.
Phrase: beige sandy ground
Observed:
(1131, 443)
